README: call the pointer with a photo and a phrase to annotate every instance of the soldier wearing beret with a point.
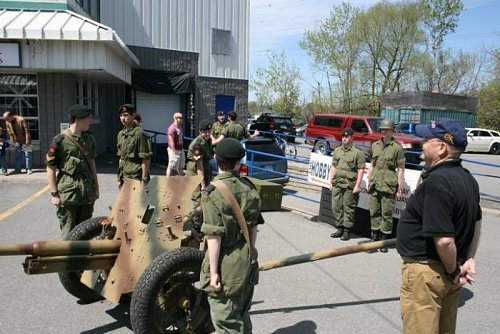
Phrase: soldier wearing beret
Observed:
(218, 126)
(133, 148)
(198, 155)
(74, 188)
(346, 173)
(235, 130)
(230, 270)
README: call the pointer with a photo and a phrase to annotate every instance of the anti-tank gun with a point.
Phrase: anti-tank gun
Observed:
(147, 243)
(148, 249)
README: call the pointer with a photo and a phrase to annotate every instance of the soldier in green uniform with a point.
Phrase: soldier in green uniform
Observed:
(234, 130)
(133, 148)
(74, 188)
(199, 154)
(230, 270)
(218, 126)
(346, 173)
(385, 180)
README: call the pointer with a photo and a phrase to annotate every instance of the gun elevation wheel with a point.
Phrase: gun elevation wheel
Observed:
(88, 229)
(167, 297)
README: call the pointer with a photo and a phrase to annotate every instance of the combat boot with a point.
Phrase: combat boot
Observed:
(338, 233)
(375, 236)
(346, 235)
(384, 236)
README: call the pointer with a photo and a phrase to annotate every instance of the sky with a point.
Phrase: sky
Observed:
(278, 25)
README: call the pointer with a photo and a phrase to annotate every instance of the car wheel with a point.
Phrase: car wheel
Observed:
(321, 146)
(495, 148)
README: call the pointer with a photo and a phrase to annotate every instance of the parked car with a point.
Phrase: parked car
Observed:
(483, 140)
(271, 166)
(324, 133)
(301, 130)
(269, 124)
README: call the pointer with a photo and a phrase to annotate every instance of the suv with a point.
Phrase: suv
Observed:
(269, 124)
(324, 133)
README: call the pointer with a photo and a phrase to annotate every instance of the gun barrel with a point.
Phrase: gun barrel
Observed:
(325, 254)
(52, 248)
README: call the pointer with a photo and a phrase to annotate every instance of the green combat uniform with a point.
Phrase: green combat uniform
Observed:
(75, 182)
(234, 130)
(347, 162)
(132, 147)
(229, 307)
(217, 129)
(199, 149)
(383, 184)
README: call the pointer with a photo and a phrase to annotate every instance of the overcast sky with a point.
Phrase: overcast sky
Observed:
(279, 24)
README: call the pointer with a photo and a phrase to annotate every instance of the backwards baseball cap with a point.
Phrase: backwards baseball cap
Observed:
(347, 132)
(229, 148)
(446, 129)
(79, 111)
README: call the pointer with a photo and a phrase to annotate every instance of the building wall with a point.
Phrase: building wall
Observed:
(56, 94)
(185, 25)
(206, 90)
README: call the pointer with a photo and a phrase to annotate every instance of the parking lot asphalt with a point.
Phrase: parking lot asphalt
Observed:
(356, 293)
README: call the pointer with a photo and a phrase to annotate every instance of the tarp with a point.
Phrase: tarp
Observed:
(161, 82)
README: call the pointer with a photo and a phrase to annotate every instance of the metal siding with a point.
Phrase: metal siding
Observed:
(185, 25)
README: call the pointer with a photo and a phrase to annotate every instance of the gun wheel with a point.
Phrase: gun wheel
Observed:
(89, 229)
(167, 297)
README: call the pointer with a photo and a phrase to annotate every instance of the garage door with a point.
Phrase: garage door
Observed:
(157, 112)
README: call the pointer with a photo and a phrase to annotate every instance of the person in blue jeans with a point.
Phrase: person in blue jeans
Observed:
(3, 146)
(20, 137)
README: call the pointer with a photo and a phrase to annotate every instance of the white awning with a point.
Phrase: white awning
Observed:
(61, 26)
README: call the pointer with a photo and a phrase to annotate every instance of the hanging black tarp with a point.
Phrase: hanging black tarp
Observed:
(161, 82)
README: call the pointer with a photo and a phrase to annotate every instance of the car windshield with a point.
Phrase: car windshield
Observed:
(279, 121)
(374, 124)
(262, 145)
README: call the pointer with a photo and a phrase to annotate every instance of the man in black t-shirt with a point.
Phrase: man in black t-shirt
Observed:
(438, 232)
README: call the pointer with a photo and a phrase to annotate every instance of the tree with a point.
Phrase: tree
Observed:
(488, 111)
(277, 86)
(391, 38)
(440, 17)
(335, 50)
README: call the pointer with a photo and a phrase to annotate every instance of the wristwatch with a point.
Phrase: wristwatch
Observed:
(146, 179)
(452, 276)
(54, 193)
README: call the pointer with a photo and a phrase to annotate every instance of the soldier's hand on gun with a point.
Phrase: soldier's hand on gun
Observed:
(215, 282)
(356, 190)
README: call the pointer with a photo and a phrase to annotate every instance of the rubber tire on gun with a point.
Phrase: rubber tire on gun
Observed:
(86, 230)
(155, 306)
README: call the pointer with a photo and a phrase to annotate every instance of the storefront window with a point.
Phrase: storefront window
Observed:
(19, 93)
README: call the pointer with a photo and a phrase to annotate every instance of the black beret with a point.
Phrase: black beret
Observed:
(347, 132)
(205, 125)
(127, 107)
(221, 113)
(79, 111)
(229, 148)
